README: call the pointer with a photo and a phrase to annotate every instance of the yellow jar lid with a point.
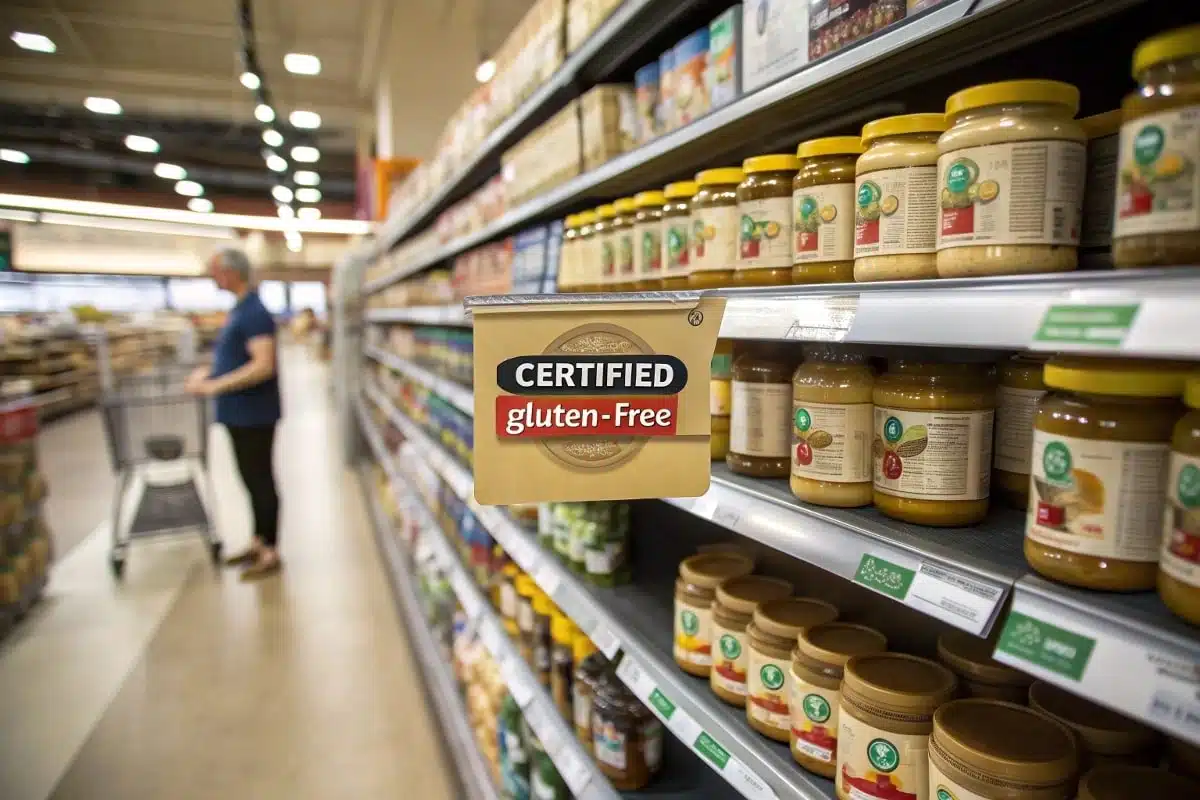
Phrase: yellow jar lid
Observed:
(1106, 124)
(585, 218)
(710, 570)
(898, 682)
(562, 629)
(1006, 92)
(542, 604)
(625, 205)
(524, 585)
(1006, 740)
(743, 595)
(1191, 391)
(1177, 43)
(571, 221)
(773, 163)
(511, 570)
(790, 617)
(1120, 782)
(905, 123)
(648, 199)
(720, 175)
(1119, 376)
(582, 646)
(831, 146)
(680, 189)
(607, 211)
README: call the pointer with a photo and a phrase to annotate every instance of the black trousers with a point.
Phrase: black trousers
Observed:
(253, 448)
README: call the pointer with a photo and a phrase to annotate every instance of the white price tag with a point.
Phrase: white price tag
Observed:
(524, 554)
(606, 642)
(727, 516)
(519, 684)
(631, 674)
(547, 577)
(746, 782)
(491, 637)
(575, 771)
(542, 724)
(955, 598)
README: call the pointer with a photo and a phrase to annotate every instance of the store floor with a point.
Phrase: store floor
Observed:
(186, 683)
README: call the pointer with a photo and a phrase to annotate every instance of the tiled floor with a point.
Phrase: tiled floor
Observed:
(185, 683)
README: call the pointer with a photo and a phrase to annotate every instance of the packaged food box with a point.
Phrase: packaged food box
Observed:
(1099, 189)
(724, 62)
(917, 6)
(690, 86)
(666, 97)
(529, 259)
(608, 123)
(835, 24)
(774, 40)
(645, 87)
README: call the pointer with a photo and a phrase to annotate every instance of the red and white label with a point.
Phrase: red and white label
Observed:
(547, 417)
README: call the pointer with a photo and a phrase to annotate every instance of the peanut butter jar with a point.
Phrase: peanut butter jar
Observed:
(732, 612)
(695, 591)
(1105, 737)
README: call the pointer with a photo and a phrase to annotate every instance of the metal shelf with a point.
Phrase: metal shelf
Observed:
(458, 395)
(454, 315)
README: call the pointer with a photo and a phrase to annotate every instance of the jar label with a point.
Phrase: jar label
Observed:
(832, 441)
(609, 743)
(758, 422)
(587, 268)
(603, 558)
(896, 212)
(823, 221)
(873, 763)
(1181, 528)
(1014, 428)
(942, 788)
(1097, 498)
(647, 252)
(714, 238)
(933, 455)
(676, 255)
(524, 615)
(814, 715)
(624, 255)
(729, 660)
(719, 397)
(1100, 191)
(608, 259)
(693, 634)
(765, 233)
(581, 705)
(1021, 193)
(1159, 189)
(767, 680)
(508, 600)
(566, 263)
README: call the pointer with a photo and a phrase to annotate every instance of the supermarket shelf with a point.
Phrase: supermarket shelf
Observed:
(454, 315)
(458, 395)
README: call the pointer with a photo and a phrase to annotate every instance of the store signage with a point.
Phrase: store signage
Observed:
(593, 401)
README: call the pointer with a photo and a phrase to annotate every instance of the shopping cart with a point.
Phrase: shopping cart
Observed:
(158, 440)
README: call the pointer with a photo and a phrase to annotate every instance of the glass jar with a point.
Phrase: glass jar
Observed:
(562, 664)
(568, 255)
(587, 258)
(970, 657)
(526, 589)
(715, 227)
(543, 643)
(626, 737)
(676, 239)
(896, 199)
(1157, 223)
(1134, 783)
(1106, 738)
(933, 441)
(590, 664)
(1021, 389)
(832, 427)
(1099, 189)
(823, 210)
(772, 634)
(765, 226)
(606, 544)
(1179, 561)
(621, 229)
(507, 598)
(514, 755)
(818, 661)
(732, 612)
(647, 232)
(605, 248)
(695, 591)
(886, 716)
(761, 408)
(1101, 444)
(1012, 166)
(719, 398)
(1000, 751)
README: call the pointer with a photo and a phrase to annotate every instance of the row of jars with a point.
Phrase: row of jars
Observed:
(994, 186)
(855, 712)
(1099, 451)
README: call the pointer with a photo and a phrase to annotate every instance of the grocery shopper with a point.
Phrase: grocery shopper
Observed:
(243, 381)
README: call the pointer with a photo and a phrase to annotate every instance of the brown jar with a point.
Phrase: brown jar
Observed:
(626, 737)
(772, 634)
(1021, 389)
(888, 701)
(1135, 783)
(980, 675)
(562, 662)
(1157, 195)
(606, 259)
(1179, 561)
(732, 612)
(1000, 751)
(647, 241)
(823, 210)
(760, 420)
(676, 236)
(720, 390)
(1105, 737)
(621, 228)
(765, 228)
(715, 228)
(543, 641)
(818, 662)
(590, 665)
(695, 591)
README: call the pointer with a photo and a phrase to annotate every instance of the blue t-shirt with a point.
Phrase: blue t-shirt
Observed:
(257, 405)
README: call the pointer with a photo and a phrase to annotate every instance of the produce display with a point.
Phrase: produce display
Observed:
(26, 549)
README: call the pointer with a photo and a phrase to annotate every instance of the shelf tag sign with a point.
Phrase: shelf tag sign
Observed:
(578, 401)
(1088, 326)
(884, 577)
(1050, 647)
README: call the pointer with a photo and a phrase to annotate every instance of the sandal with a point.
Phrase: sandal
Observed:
(247, 556)
(259, 570)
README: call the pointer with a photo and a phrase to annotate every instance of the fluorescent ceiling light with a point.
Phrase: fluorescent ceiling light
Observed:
(305, 119)
(306, 177)
(189, 189)
(306, 154)
(272, 137)
(14, 156)
(348, 227)
(309, 213)
(276, 163)
(250, 80)
(282, 193)
(170, 172)
(141, 144)
(286, 212)
(200, 205)
(141, 225)
(264, 113)
(485, 71)
(302, 64)
(307, 195)
(33, 41)
(102, 105)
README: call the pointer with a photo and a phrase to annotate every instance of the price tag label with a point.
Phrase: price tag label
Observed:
(727, 516)
(542, 724)
(606, 641)
(548, 578)
(1085, 326)
(574, 769)
(631, 674)
(955, 598)
(491, 637)
(520, 686)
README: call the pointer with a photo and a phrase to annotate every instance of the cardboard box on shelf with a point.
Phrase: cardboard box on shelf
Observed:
(724, 58)
(646, 86)
(774, 40)
(835, 24)
(666, 92)
(690, 87)
(608, 123)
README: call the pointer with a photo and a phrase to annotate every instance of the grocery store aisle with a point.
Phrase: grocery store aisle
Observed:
(188, 684)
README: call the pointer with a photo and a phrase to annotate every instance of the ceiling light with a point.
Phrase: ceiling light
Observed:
(308, 195)
(306, 154)
(264, 113)
(305, 119)
(189, 189)
(250, 80)
(14, 156)
(273, 137)
(309, 213)
(485, 71)
(33, 41)
(277, 163)
(302, 64)
(307, 177)
(282, 193)
(141, 144)
(102, 105)
(200, 205)
(170, 172)
(286, 212)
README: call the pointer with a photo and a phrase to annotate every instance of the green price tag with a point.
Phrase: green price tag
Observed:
(707, 747)
(884, 576)
(660, 702)
(1095, 326)
(1046, 645)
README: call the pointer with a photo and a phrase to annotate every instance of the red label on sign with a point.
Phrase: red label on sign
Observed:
(806, 242)
(958, 220)
(1050, 515)
(543, 417)
(866, 232)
